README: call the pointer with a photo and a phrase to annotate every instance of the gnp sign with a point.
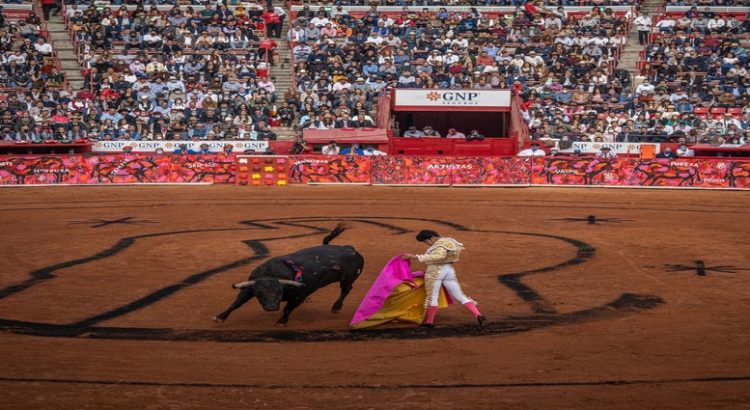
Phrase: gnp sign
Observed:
(490, 100)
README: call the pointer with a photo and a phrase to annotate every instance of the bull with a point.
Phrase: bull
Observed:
(292, 278)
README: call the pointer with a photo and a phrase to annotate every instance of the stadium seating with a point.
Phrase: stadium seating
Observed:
(29, 70)
(194, 72)
(702, 67)
(184, 72)
(365, 51)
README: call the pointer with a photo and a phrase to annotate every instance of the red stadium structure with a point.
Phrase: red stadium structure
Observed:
(494, 113)
(490, 112)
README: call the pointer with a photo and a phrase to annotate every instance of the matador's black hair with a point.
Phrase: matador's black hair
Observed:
(426, 234)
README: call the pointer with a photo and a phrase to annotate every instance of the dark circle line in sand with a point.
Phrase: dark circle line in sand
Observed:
(624, 305)
(546, 315)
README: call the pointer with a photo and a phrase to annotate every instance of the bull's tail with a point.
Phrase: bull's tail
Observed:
(338, 230)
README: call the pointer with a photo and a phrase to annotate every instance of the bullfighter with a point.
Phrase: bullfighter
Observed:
(440, 256)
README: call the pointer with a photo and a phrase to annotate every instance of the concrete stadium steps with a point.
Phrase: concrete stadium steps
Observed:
(630, 55)
(281, 73)
(66, 51)
(284, 133)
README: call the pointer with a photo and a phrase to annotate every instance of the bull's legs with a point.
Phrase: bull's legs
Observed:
(346, 287)
(290, 306)
(244, 295)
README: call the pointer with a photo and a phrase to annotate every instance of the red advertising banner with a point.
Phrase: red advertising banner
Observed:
(738, 174)
(116, 169)
(399, 170)
(491, 171)
(215, 168)
(28, 170)
(127, 169)
(579, 171)
(392, 170)
(402, 170)
(306, 169)
(680, 172)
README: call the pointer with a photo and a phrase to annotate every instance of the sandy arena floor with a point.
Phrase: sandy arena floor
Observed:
(107, 295)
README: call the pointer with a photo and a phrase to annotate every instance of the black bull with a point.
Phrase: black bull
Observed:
(274, 281)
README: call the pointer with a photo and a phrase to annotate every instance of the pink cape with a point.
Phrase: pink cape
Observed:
(395, 272)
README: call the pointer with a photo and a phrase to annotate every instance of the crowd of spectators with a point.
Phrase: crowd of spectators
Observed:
(344, 62)
(333, 148)
(429, 132)
(28, 64)
(182, 74)
(694, 87)
(197, 73)
(27, 59)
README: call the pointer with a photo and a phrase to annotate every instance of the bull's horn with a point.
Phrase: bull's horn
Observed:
(291, 282)
(243, 284)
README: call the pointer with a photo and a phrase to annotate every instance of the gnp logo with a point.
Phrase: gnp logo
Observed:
(454, 97)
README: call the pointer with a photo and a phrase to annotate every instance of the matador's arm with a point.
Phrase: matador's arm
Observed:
(436, 255)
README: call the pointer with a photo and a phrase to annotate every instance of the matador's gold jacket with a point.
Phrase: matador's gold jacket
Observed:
(444, 250)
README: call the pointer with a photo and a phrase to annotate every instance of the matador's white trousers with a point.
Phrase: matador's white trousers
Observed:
(443, 275)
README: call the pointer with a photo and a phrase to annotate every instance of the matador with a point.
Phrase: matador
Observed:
(440, 256)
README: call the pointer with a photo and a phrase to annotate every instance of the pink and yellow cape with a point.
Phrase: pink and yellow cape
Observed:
(397, 294)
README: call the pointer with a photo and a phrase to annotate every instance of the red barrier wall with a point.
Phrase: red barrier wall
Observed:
(320, 169)
(399, 170)
(116, 169)
(376, 170)
(682, 172)
(415, 170)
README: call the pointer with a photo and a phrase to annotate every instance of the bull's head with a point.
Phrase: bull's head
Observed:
(269, 291)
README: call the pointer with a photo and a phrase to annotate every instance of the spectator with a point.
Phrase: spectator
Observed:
(362, 121)
(428, 131)
(183, 149)
(474, 135)
(300, 146)
(331, 149)
(605, 154)
(355, 149)
(413, 132)
(273, 22)
(667, 24)
(266, 50)
(370, 151)
(534, 8)
(345, 121)
(667, 153)
(204, 149)
(645, 88)
(47, 6)
(532, 151)
(684, 151)
(264, 132)
(643, 25)
(452, 133)
(43, 47)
